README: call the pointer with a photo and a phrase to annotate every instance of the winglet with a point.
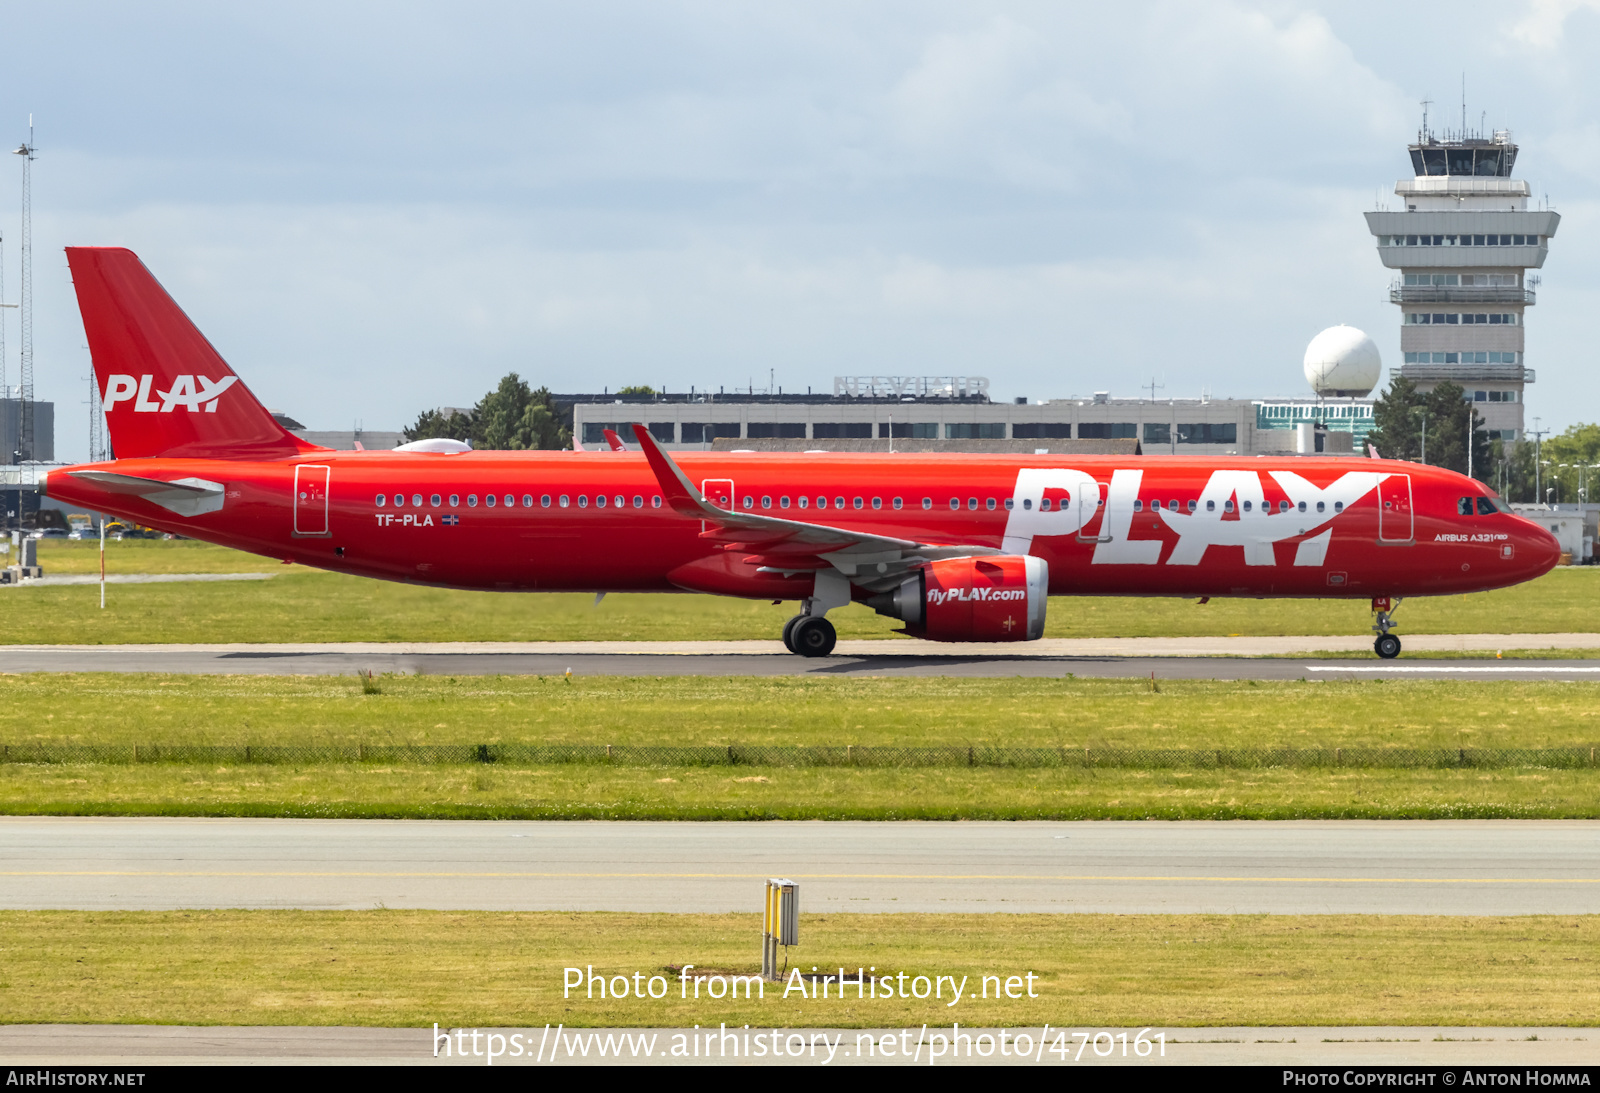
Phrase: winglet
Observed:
(615, 441)
(677, 489)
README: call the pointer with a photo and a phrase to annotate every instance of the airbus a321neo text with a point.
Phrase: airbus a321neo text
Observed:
(957, 547)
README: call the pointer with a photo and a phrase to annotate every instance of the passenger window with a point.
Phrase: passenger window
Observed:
(898, 504)
(544, 501)
(600, 501)
(1227, 506)
(472, 500)
(877, 502)
(988, 503)
(838, 502)
(1192, 505)
(822, 502)
(1211, 506)
(416, 500)
(527, 500)
(766, 502)
(1283, 506)
(1320, 506)
(927, 502)
(783, 502)
(511, 502)
(380, 500)
(1485, 507)
(455, 500)
(955, 503)
(972, 504)
(1010, 503)
(564, 502)
(488, 499)
(638, 501)
(583, 500)
(858, 502)
(803, 501)
(1301, 506)
(749, 502)
(655, 502)
(1463, 506)
(434, 499)
(1247, 506)
(620, 501)
(1338, 506)
(1044, 504)
(1138, 505)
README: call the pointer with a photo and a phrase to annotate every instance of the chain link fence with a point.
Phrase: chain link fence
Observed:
(746, 755)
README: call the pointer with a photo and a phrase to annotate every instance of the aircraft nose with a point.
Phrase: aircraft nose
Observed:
(1539, 550)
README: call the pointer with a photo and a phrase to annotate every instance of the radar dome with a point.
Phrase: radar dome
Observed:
(1342, 362)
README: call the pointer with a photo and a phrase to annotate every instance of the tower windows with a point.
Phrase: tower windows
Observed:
(1467, 318)
(1465, 357)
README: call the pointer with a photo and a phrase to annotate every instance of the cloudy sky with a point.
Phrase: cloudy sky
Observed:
(376, 208)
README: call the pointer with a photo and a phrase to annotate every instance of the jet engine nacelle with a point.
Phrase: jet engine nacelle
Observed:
(997, 598)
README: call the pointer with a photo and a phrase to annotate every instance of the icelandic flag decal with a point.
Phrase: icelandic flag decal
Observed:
(450, 519)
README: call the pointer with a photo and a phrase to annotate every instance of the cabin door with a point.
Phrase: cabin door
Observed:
(1395, 518)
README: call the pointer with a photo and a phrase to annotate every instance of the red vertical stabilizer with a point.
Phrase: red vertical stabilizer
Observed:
(166, 391)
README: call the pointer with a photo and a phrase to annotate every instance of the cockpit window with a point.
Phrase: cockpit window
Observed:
(1487, 506)
(1464, 506)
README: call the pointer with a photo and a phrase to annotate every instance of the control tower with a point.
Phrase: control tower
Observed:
(1462, 250)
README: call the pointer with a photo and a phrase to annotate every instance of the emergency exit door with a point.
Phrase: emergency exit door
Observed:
(311, 500)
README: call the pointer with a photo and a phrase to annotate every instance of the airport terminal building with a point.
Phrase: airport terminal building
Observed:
(957, 413)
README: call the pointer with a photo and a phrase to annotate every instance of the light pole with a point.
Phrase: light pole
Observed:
(1538, 482)
(1424, 415)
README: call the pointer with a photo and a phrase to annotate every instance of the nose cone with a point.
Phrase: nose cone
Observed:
(1538, 551)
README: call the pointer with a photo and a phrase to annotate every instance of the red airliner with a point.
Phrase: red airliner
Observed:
(958, 547)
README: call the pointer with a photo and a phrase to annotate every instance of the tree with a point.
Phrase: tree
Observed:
(432, 423)
(1398, 417)
(1578, 448)
(636, 392)
(509, 418)
(1396, 428)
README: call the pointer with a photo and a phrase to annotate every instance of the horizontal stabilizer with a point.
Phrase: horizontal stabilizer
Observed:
(184, 496)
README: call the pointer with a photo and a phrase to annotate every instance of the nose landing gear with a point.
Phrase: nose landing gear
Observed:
(1386, 645)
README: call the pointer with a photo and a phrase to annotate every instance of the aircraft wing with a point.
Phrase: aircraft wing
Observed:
(776, 545)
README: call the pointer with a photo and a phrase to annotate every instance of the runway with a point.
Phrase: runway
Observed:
(1450, 867)
(1283, 658)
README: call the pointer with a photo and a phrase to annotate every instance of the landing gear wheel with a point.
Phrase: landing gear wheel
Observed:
(1387, 646)
(788, 633)
(813, 636)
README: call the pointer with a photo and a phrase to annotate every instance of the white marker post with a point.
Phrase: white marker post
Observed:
(102, 561)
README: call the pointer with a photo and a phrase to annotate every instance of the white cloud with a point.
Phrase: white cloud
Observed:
(1544, 22)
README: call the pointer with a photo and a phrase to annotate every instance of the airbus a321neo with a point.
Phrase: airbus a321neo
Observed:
(957, 547)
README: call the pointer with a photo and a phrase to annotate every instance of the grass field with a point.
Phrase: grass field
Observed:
(307, 605)
(235, 710)
(574, 792)
(180, 709)
(487, 969)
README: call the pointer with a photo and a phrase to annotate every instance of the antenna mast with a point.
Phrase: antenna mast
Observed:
(25, 445)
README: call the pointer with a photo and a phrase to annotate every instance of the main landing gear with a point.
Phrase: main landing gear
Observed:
(809, 635)
(1386, 645)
